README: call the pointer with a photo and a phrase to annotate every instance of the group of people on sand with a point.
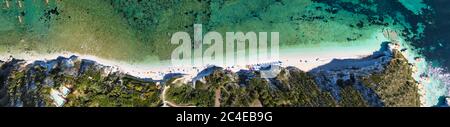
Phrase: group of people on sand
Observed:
(193, 71)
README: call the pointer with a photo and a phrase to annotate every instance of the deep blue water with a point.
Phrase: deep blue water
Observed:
(435, 44)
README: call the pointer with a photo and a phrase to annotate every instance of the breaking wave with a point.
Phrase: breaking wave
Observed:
(439, 85)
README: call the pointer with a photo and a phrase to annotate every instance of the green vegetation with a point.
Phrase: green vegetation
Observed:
(186, 95)
(298, 90)
(292, 87)
(395, 85)
(202, 95)
(93, 90)
(23, 86)
(30, 86)
(350, 97)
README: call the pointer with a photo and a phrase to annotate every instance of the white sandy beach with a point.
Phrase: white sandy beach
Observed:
(304, 58)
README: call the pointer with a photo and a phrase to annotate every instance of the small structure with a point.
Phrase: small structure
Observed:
(260, 66)
(58, 100)
(64, 91)
(59, 96)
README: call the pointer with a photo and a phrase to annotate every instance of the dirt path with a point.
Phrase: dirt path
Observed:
(217, 97)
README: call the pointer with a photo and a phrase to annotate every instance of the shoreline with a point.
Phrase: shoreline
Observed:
(306, 60)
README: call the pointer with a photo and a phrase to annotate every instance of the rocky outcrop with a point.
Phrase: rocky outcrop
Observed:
(90, 84)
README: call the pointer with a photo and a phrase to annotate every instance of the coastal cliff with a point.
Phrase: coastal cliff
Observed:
(72, 82)
(383, 79)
